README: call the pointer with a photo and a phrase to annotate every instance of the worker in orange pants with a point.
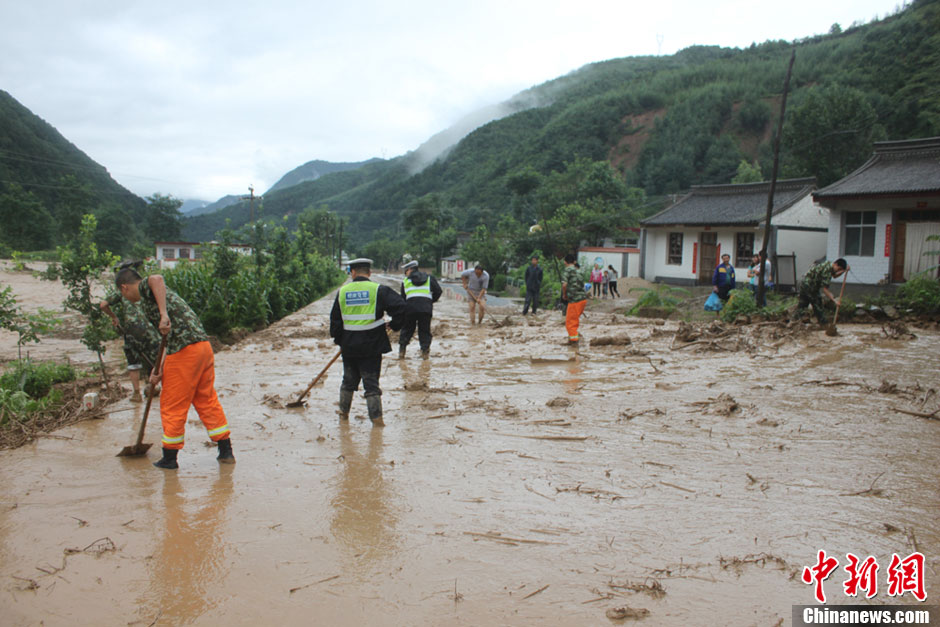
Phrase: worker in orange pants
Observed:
(572, 291)
(187, 371)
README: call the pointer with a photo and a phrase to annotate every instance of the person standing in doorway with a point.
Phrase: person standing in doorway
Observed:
(723, 277)
(533, 285)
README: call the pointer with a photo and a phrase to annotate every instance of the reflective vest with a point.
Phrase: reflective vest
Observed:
(417, 291)
(357, 304)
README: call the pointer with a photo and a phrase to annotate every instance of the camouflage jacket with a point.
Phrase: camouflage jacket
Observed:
(185, 327)
(817, 277)
(575, 292)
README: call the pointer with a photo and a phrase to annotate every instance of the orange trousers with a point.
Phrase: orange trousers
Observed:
(573, 319)
(189, 379)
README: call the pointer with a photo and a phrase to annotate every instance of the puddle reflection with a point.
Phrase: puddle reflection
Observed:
(363, 518)
(189, 563)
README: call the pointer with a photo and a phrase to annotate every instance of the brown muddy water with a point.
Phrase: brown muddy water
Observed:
(517, 482)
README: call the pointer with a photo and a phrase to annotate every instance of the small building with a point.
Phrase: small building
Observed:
(452, 267)
(683, 243)
(882, 213)
(168, 254)
(626, 261)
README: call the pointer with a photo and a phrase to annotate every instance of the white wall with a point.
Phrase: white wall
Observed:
(866, 270)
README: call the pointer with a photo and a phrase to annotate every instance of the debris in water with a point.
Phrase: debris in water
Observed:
(625, 612)
(558, 401)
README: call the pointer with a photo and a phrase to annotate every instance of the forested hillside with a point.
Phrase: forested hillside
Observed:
(663, 124)
(47, 184)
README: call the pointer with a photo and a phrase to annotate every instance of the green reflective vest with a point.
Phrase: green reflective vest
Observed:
(357, 304)
(417, 291)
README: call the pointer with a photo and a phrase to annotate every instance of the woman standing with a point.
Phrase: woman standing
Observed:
(596, 278)
(613, 281)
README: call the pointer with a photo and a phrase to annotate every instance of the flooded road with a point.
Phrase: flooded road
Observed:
(517, 482)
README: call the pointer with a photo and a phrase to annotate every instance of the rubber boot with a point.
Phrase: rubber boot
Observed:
(225, 452)
(426, 353)
(168, 461)
(401, 352)
(345, 402)
(374, 403)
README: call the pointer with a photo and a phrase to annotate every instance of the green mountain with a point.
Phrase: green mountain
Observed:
(312, 170)
(664, 122)
(47, 183)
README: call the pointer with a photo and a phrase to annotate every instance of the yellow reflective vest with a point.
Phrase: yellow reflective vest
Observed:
(417, 291)
(357, 304)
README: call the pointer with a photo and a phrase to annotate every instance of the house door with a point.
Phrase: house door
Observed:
(900, 239)
(708, 253)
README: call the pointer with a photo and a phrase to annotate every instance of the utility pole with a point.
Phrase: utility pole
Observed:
(251, 203)
(762, 258)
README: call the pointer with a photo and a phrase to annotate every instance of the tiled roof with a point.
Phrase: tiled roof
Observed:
(898, 167)
(744, 204)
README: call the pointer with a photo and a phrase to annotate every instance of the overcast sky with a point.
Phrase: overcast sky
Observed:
(199, 99)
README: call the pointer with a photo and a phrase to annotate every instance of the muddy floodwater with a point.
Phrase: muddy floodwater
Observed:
(517, 482)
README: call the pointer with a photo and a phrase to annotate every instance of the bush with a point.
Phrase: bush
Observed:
(499, 282)
(35, 378)
(663, 297)
(920, 295)
(741, 302)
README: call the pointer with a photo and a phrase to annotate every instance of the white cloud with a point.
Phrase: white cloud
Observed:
(201, 99)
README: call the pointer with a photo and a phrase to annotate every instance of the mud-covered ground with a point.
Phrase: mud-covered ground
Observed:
(688, 476)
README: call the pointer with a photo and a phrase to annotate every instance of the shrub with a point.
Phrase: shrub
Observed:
(741, 302)
(35, 378)
(663, 297)
(920, 294)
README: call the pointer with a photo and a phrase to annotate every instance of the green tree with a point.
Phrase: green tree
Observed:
(27, 225)
(164, 220)
(830, 133)
(81, 266)
(747, 173)
(75, 199)
(488, 249)
(385, 252)
(431, 231)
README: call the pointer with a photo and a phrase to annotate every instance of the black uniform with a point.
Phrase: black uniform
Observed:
(418, 311)
(533, 285)
(362, 350)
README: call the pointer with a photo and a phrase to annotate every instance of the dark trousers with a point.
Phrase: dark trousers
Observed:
(813, 298)
(365, 369)
(613, 288)
(423, 322)
(723, 291)
(531, 297)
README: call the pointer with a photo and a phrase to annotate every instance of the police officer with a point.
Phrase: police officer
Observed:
(357, 326)
(420, 292)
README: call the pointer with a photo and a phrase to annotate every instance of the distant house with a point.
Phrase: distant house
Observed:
(452, 267)
(683, 243)
(168, 254)
(881, 214)
(626, 261)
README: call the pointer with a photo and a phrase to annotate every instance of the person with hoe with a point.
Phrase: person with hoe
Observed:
(420, 292)
(573, 293)
(475, 283)
(533, 285)
(818, 278)
(141, 340)
(187, 371)
(357, 326)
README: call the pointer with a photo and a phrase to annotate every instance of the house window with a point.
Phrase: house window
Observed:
(184, 253)
(860, 233)
(197, 253)
(743, 249)
(674, 257)
(169, 253)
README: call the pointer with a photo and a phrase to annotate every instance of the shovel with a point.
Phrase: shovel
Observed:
(300, 401)
(139, 449)
(831, 330)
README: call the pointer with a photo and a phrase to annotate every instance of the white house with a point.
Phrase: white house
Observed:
(683, 243)
(626, 261)
(881, 214)
(452, 267)
(168, 254)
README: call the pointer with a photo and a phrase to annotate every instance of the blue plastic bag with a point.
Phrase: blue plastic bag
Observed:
(713, 303)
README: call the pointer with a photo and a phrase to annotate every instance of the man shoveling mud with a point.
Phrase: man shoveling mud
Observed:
(188, 371)
(357, 326)
(572, 292)
(420, 292)
(818, 278)
(475, 282)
